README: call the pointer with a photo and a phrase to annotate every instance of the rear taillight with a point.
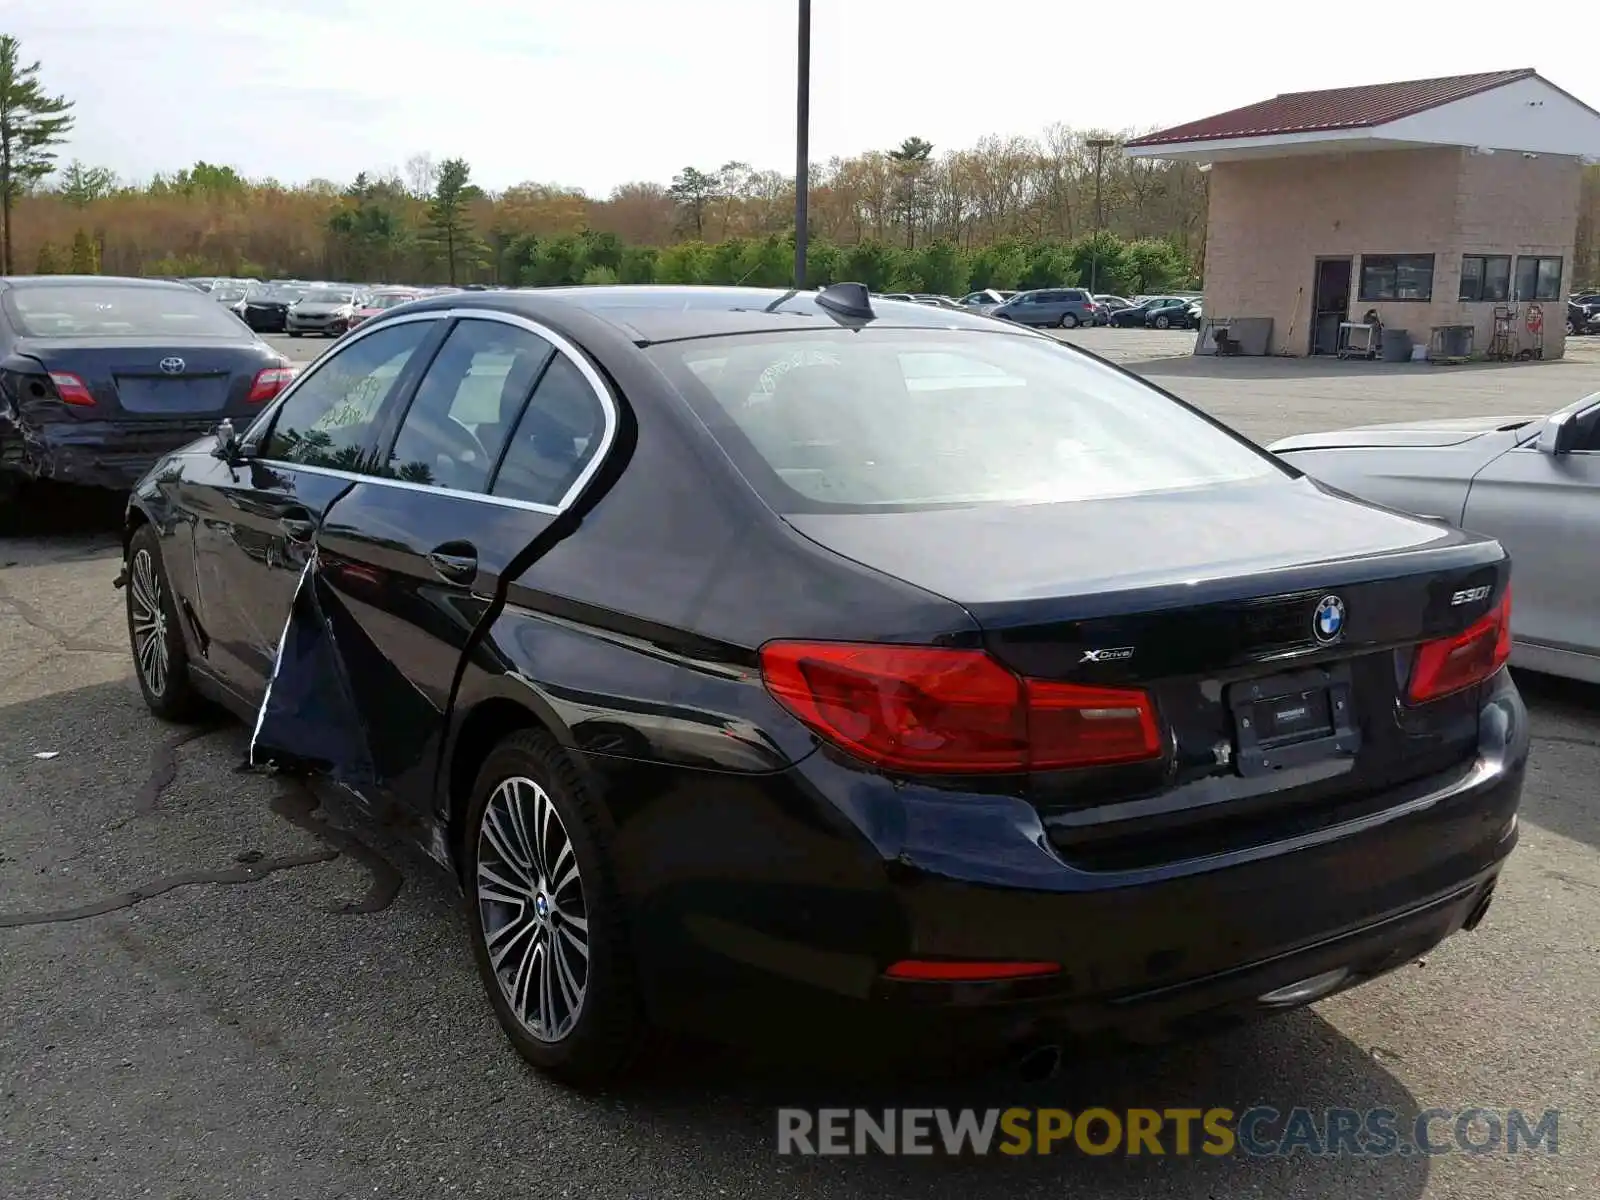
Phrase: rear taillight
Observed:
(71, 389)
(1452, 664)
(268, 383)
(926, 710)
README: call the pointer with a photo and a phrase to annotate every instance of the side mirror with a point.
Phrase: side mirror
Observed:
(1573, 428)
(228, 448)
(1558, 434)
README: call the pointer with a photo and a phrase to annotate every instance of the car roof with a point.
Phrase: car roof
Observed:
(29, 281)
(663, 313)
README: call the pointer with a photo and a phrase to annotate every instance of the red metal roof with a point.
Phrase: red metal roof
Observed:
(1340, 108)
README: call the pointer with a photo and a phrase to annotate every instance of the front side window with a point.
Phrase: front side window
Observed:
(331, 418)
(897, 419)
(1538, 278)
(465, 405)
(1485, 277)
(1396, 277)
(557, 437)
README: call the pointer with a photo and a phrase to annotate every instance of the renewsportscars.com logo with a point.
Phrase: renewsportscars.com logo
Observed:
(1261, 1131)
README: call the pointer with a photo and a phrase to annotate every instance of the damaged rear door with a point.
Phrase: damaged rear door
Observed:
(255, 521)
(504, 429)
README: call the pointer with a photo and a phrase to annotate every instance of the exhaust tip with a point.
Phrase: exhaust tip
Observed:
(1040, 1064)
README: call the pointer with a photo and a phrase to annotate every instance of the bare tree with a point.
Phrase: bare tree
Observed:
(421, 175)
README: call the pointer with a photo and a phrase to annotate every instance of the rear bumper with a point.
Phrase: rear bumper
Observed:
(105, 454)
(785, 931)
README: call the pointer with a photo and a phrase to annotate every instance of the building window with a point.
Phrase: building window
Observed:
(1485, 277)
(1538, 278)
(1397, 277)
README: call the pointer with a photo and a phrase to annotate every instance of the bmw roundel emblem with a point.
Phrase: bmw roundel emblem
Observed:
(1328, 621)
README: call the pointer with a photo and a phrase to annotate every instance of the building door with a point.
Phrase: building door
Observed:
(1330, 303)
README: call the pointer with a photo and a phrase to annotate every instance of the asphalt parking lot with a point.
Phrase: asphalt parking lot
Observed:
(212, 988)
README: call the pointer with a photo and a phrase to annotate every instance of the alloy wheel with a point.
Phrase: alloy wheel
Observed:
(531, 907)
(149, 622)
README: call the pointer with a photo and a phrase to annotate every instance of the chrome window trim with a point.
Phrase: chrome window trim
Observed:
(602, 450)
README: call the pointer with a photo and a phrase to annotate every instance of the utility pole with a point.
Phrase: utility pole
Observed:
(1099, 146)
(802, 143)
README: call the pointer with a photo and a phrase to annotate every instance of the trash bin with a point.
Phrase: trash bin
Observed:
(1396, 346)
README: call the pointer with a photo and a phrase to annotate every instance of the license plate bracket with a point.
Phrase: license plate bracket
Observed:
(1293, 719)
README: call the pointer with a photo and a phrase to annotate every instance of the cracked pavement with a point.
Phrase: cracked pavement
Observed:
(222, 984)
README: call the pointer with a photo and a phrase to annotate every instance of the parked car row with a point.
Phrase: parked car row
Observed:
(322, 309)
(1069, 308)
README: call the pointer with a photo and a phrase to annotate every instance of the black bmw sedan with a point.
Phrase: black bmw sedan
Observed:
(101, 376)
(821, 667)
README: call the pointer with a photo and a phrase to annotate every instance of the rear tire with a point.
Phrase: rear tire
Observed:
(560, 976)
(1069, 321)
(160, 657)
(1162, 322)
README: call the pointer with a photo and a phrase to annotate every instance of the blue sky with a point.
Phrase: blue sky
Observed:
(592, 93)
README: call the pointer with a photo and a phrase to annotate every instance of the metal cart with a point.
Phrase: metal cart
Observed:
(1359, 339)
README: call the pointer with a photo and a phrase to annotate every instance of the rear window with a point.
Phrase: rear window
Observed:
(111, 311)
(897, 419)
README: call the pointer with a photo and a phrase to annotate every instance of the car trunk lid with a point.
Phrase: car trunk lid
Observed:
(1273, 624)
(152, 382)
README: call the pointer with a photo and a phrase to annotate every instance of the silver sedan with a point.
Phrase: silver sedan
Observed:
(1533, 482)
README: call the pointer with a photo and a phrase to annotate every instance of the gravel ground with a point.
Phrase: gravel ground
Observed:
(211, 989)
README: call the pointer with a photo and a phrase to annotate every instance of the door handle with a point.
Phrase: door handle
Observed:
(455, 562)
(298, 528)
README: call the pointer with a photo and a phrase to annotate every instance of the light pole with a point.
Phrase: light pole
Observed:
(1099, 146)
(802, 143)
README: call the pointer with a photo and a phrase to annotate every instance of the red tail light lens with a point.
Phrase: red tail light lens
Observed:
(71, 389)
(268, 383)
(1452, 664)
(924, 710)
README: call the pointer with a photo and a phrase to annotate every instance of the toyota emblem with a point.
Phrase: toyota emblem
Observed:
(172, 366)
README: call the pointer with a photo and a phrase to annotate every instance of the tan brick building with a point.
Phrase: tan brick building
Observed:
(1437, 202)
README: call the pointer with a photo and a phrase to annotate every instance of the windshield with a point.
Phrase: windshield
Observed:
(69, 311)
(874, 419)
(328, 297)
(389, 300)
(227, 295)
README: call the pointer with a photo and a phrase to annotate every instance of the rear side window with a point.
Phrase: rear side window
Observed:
(885, 419)
(556, 439)
(331, 418)
(101, 311)
(465, 405)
